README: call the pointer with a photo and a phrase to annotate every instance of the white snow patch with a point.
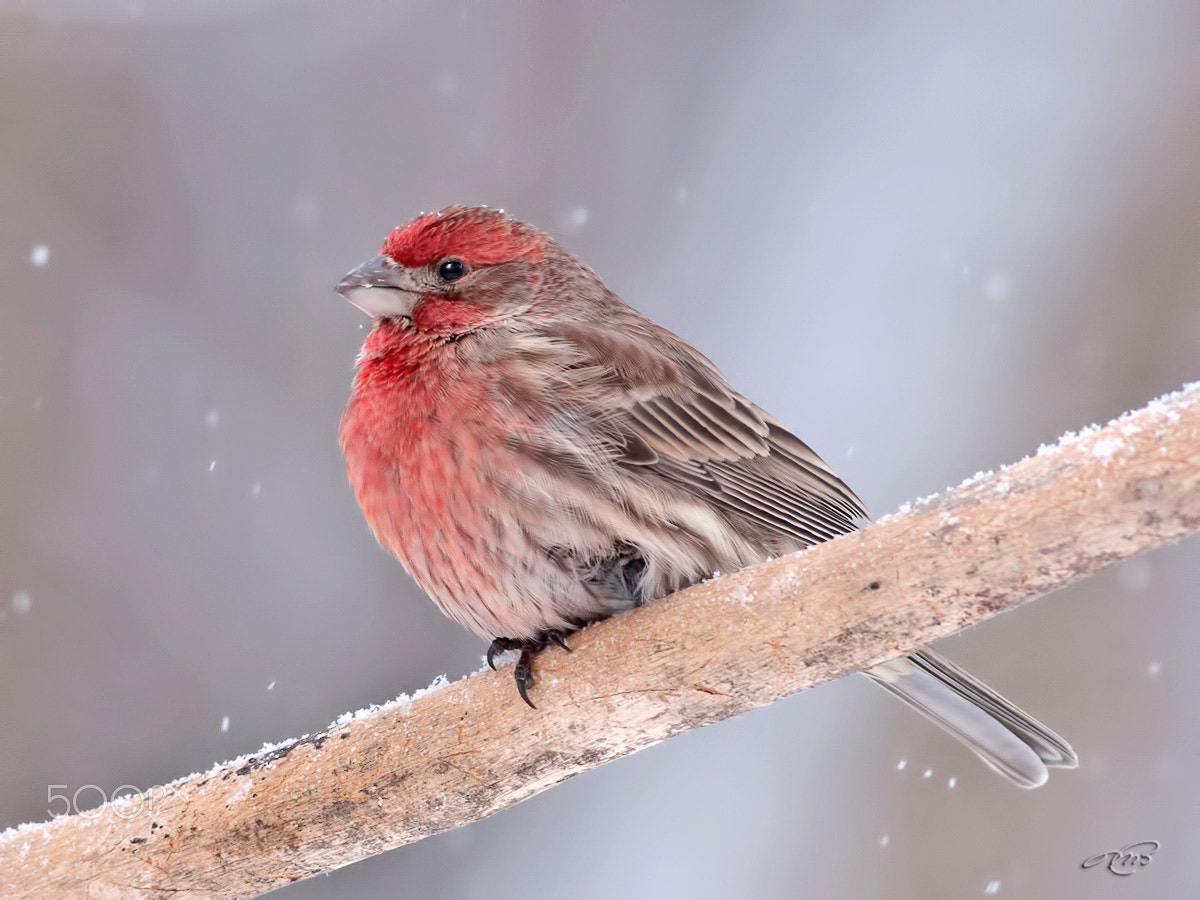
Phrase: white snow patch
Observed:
(484, 667)
(900, 765)
(401, 701)
(265, 750)
(952, 782)
(187, 785)
(1160, 406)
(22, 602)
(271, 686)
(976, 478)
(928, 773)
(225, 725)
(575, 218)
(788, 581)
(1106, 447)
(738, 594)
(212, 465)
(39, 255)
(1163, 410)
(1154, 669)
(31, 829)
(885, 840)
(1065, 440)
(256, 489)
(347, 717)
(436, 685)
(212, 417)
(998, 286)
(902, 510)
(993, 887)
(245, 786)
(948, 523)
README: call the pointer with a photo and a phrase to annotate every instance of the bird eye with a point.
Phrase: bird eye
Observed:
(451, 270)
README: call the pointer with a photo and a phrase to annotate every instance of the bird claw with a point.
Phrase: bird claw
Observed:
(557, 638)
(523, 673)
(502, 645)
(523, 670)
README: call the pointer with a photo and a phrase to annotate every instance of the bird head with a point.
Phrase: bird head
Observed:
(450, 272)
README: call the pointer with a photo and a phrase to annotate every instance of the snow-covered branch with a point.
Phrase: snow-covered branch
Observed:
(393, 775)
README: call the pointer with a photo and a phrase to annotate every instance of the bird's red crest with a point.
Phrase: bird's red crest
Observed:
(478, 235)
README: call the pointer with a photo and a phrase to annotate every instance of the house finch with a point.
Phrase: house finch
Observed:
(539, 455)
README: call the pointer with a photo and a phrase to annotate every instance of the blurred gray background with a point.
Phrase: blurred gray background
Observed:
(928, 237)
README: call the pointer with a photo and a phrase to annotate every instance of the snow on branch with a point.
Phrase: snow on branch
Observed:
(418, 766)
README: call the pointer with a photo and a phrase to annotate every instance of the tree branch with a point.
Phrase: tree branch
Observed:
(449, 756)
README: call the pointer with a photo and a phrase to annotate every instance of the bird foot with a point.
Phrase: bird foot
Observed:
(529, 647)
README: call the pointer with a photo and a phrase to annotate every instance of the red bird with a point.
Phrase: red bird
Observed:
(539, 455)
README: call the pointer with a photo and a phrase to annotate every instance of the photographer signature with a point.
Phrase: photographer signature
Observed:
(1127, 860)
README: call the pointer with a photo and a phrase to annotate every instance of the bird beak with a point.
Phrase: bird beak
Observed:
(381, 288)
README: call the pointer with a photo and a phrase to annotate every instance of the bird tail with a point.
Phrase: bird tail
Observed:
(1012, 742)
